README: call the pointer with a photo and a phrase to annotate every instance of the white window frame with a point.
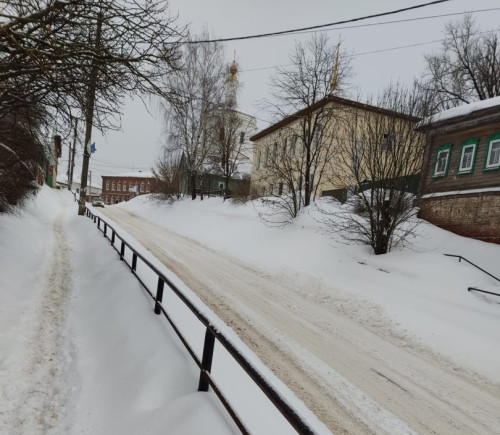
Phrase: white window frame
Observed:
(445, 148)
(468, 169)
(495, 165)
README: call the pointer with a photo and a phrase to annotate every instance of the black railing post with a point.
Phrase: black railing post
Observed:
(98, 222)
(206, 362)
(113, 237)
(159, 295)
(122, 250)
(105, 228)
(95, 218)
(134, 262)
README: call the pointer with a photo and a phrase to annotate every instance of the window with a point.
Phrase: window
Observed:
(257, 165)
(107, 185)
(280, 189)
(388, 140)
(442, 160)
(113, 186)
(124, 186)
(266, 160)
(317, 136)
(142, 186)
(283, 149)
(242, 137)
(293, 144)
(275, 152)
(148, 188)
(467, 156)
(493, 153)
(119, 186)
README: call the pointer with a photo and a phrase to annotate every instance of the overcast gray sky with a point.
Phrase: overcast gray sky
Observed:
(136, 146)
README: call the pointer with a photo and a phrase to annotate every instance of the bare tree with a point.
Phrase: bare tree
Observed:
(378, 156)
(301, 96)
(230, 141)
(199, 88)
(83, 57)
(466, 69)
(167, 172)
(47, 51)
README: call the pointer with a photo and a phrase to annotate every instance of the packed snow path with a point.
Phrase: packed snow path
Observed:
(35, 389)
(338, 356)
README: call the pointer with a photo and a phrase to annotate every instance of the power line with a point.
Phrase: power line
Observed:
(404, 20)
(320, 26)
(369, 52)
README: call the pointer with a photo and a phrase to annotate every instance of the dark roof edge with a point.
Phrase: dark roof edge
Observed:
(329, 99)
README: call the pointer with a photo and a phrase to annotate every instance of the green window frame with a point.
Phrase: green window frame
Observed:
(441, 163)
(492, 153)
(467, 156)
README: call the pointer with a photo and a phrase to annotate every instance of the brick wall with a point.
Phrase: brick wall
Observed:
(474, 215)
(112, 195)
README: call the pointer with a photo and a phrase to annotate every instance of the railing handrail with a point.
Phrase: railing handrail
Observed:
(285, 408)
(472, 264)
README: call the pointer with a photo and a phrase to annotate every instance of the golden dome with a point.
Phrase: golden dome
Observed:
(233, 70)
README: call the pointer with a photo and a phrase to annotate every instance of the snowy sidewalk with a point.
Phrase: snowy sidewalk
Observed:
(34, 382)
(80, 348)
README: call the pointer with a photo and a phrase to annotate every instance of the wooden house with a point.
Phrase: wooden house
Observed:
(460, 183)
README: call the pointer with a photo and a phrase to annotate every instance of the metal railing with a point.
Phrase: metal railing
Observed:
(460, 258)
(211, 334)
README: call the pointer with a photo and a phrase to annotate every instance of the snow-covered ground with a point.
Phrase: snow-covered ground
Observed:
(81, 351)
(420, 289)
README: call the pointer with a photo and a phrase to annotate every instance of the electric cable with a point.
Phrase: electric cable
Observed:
(320, 26)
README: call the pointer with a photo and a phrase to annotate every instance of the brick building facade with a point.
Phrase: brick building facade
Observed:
(460, 183)
(122, 187)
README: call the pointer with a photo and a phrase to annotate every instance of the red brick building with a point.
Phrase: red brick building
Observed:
(122, 187)
(460, 183)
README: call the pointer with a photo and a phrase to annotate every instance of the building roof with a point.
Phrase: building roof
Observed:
(323, 102)
(456, 114)
(138, 174)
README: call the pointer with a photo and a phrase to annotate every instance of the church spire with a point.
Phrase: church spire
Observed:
(232, 83)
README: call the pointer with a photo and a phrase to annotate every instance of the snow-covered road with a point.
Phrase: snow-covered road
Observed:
(338, 355)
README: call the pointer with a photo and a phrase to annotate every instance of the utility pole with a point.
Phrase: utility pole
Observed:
(69, 169)
(89, 116)
(73, 154)
(90, 184)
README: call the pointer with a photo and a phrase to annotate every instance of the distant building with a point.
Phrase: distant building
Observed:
(94, 190)
(122, 187)
(460, 184)
(47, 169)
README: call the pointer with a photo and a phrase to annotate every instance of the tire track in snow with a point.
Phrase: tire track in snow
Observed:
(325, 352)
(34, 390)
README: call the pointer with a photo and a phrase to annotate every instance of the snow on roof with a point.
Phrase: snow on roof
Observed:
(465, 109)
(137, 174)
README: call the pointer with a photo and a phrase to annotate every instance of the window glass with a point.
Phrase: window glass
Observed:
(467, 159)
(293, 144)
(142, 187)
(119, 186)
(441, 162)
(493, 159)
